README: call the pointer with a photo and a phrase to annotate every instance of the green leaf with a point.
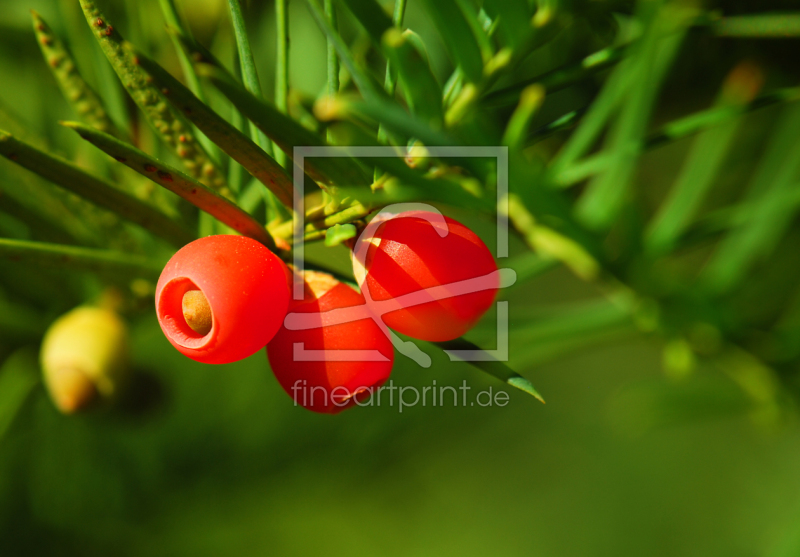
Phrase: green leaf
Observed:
(566, 329)
(286, 133)
(248, 65)
(365, 83)
(197, 52)
(411, 183)
(372, 17)
(390, 79)
(530, 101)
(472, 15)
(79, 258)
(769, 214)
(40, 228)
(332, 19)
(69, 176)
(422, 91)
(772, 26)
(233, 142)
(77, 92)
(60, 209)
(701, 167)
(606, 194)
(168, 123)
(594, 120)
(19, 376)
(493, 367)
(200, 195)
(564, 122)
(717, 116)
(559, 78)
(528, 266)
(677, 129)
(390, 115)
(170, 11)
(549, 243)
(512, 18)
(338, 233)
(457, 36)
(282, 65)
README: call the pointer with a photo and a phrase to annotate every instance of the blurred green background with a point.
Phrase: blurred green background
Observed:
(217, 461)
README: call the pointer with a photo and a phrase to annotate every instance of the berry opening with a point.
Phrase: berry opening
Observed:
(193, 328)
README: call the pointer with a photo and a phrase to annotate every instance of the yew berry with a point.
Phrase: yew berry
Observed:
(222, 298)
(357, 355)
(410, 268)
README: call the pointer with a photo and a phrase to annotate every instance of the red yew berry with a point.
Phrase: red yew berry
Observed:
(222, 298)
(412, 263)
(357, 355)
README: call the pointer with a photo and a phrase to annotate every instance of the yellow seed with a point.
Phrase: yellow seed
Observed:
(197, 312)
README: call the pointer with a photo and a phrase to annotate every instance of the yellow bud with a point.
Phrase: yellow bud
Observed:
(84, 357)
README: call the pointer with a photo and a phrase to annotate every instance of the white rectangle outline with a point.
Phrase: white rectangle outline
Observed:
(499, 152)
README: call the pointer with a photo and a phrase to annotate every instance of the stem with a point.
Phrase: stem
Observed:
(355, 212)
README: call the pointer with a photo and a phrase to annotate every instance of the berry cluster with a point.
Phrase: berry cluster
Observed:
(223, 298)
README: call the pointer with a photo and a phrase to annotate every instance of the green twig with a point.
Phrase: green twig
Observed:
(77, 92)
(234, 143)
(169, 124)
(345, 216)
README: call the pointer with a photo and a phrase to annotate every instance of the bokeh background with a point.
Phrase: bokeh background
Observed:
(216, 460)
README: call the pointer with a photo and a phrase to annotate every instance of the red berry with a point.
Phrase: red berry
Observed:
(407, 255)
(222, 298)
(329, 384)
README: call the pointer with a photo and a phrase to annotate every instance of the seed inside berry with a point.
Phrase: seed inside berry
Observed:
(197, 312)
